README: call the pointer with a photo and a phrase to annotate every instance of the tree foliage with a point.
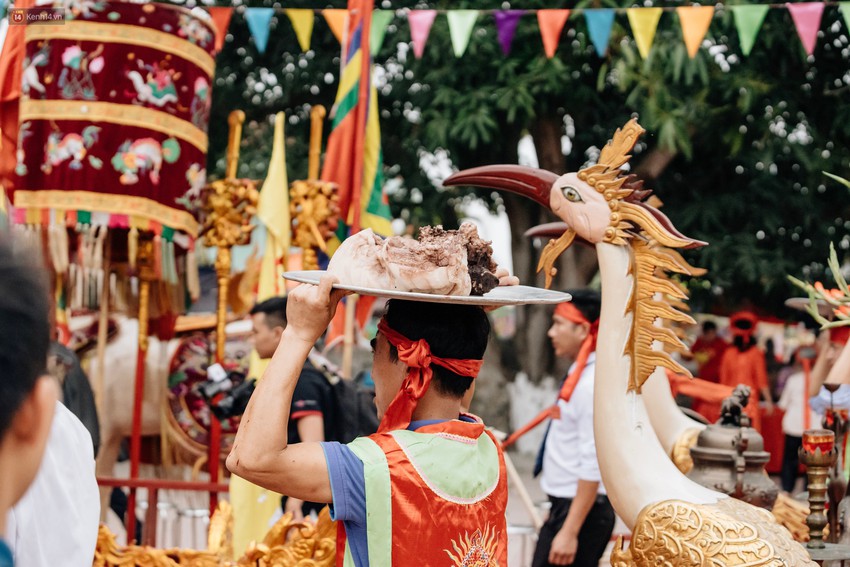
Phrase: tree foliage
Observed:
(735, 146)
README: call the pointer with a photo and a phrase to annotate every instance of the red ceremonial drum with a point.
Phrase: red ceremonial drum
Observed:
(113, 118)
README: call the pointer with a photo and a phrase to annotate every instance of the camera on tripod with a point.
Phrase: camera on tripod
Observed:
(227, 393)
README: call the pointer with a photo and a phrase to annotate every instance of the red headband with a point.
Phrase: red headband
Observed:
(571, 313)
(418, 358)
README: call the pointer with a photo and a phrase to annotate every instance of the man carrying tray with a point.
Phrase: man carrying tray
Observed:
(430, 487)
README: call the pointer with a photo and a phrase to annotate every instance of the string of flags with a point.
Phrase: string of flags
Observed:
(693, 20)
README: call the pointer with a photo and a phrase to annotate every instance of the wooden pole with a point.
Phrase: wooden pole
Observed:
(524, 496)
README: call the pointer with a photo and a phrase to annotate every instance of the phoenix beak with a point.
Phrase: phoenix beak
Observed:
(536, 184)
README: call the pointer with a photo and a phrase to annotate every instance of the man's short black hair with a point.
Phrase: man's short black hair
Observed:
(452, 331)
(24, 327)
(274, 309)
(709, 326)
(588, 301)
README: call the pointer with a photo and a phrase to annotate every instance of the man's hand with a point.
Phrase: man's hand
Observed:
(293, 506)
(505, 278)
(564, 547)
(310, 308)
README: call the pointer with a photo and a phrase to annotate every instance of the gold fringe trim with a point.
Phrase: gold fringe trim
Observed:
(126, 34)
(113, 113)
(114, 204)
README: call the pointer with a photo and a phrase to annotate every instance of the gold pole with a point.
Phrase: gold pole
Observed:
(317, 117)
(222, 271)
(234, 120)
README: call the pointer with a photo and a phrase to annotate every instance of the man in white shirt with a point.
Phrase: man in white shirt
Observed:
(581, 519)
(56, 521)
(794, 402)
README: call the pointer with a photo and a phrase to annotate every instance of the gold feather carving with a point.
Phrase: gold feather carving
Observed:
(616, 152)
(655, 297)
(551, 251)
(725, 534)
(650, 304)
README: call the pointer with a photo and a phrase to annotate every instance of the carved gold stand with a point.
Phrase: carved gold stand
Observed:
(313, 203)
(228, 205)
(287, 544)
(818, 454)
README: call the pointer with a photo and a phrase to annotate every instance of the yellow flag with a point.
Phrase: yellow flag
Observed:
(254, 507)
(644, 22)
(695, 21)
(302, 21)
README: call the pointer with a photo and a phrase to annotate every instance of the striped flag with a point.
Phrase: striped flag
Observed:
(354, 138)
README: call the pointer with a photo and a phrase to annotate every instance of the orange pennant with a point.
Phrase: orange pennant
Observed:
(551, 23)
(221, 19)
(336, 21)
(695, 21)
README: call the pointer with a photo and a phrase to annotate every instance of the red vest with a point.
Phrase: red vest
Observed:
(448, 492)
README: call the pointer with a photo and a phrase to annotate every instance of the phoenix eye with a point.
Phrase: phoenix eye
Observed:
(572, 194)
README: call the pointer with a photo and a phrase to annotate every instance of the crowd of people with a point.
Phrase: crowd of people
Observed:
(430, 457)
(794, 385)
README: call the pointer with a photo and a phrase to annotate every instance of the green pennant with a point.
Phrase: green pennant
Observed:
(845, 11)
(380, 20)
(748, 20)
(461, 23)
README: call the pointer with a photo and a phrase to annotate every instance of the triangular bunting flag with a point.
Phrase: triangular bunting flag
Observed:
(336, 18)
(748, 20)
(221, 18)
(695, 21)
(420, 26)
(506, 23)
(258, 24)
(302, 22)
(845, 11)
(644, 22)
(551, 23)
(807, 20)
(461, 23)
(599, 23)
(380, 20)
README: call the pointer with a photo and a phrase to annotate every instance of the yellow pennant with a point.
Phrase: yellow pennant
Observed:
(644, 22)
(695, 21)
(302, 21)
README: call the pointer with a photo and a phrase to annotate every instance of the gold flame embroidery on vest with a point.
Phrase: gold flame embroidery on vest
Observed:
(476, 550)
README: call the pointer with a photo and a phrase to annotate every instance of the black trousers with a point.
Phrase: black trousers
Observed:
(593, 537)
(790, 462)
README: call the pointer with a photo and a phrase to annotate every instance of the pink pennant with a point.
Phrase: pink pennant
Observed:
(807, 18)
(420, 26)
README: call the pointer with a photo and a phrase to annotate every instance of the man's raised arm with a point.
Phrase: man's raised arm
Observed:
(260, 452)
